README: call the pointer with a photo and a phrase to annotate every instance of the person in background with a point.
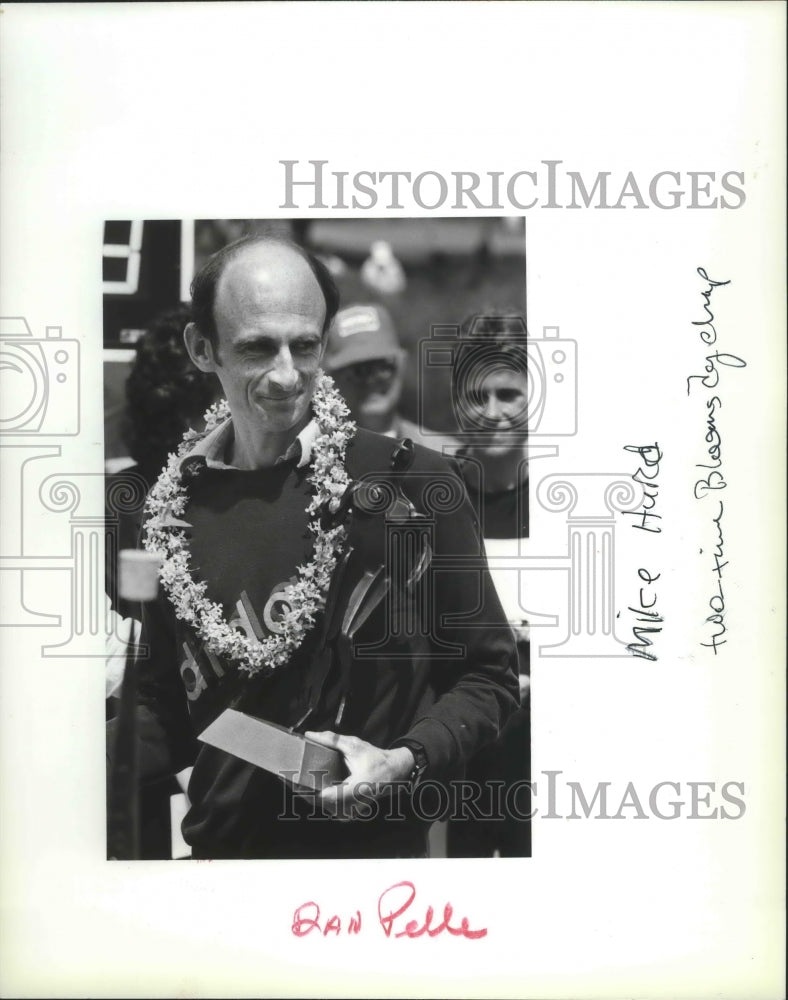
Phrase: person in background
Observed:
(166, 394)
(365, 359)
(490, 390)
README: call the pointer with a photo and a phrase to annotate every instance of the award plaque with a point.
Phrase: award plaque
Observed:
(289, 755)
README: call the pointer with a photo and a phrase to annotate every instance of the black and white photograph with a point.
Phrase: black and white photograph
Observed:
(337, 619)
(392, 499)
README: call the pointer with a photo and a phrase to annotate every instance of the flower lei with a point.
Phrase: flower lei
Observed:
(306, 597)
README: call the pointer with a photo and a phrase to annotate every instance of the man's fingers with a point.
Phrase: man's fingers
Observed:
(345, 744)
(338, 801)
(330, 798)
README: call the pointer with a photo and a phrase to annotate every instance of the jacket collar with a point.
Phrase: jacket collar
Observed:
(216, 444)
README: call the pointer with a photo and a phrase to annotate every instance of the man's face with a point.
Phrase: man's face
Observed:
(498, 405)
(371, 389)
(269, 313)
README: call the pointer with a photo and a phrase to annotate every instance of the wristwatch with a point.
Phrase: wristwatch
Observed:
(420, 761)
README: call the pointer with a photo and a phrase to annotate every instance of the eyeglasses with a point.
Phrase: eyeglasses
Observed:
(379, 369)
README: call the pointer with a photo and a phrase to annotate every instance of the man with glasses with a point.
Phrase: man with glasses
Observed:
(365, 359)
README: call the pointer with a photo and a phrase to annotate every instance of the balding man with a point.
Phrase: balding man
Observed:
(309, 572)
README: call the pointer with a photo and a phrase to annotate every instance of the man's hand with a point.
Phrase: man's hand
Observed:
(371, 770)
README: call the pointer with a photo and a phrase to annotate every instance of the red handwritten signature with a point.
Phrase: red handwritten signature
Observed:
(394, 904)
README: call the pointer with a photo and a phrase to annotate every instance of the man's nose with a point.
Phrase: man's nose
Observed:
(284, 373)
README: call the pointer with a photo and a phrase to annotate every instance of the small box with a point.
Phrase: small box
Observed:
(289, 755)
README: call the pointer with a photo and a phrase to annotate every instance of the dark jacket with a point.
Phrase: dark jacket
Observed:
(434, 660)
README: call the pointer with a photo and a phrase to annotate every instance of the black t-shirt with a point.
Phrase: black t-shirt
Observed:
(250, 532)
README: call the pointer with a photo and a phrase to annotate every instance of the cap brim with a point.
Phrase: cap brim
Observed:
(355, 353)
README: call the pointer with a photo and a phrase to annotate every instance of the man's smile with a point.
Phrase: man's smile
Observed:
(279, 397)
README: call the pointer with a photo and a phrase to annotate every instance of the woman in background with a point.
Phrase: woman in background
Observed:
(491, 396)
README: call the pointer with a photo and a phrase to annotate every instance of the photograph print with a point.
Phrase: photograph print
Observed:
(314, 431)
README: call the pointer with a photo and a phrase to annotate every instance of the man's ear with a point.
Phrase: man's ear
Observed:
(200, 348)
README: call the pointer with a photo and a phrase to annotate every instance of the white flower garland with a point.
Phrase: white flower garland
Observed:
(306, 597)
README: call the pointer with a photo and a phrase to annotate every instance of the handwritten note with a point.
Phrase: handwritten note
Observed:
(648, 621)
(712, 479)
(397, 916)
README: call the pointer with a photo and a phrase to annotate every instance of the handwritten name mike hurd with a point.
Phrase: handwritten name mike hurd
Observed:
(711, 481)
(647, 617)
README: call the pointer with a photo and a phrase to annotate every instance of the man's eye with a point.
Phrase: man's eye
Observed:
(306, 346)
(257, 349)
(509, 395)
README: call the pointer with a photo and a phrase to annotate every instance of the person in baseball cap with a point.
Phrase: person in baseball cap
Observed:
(364, 357)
